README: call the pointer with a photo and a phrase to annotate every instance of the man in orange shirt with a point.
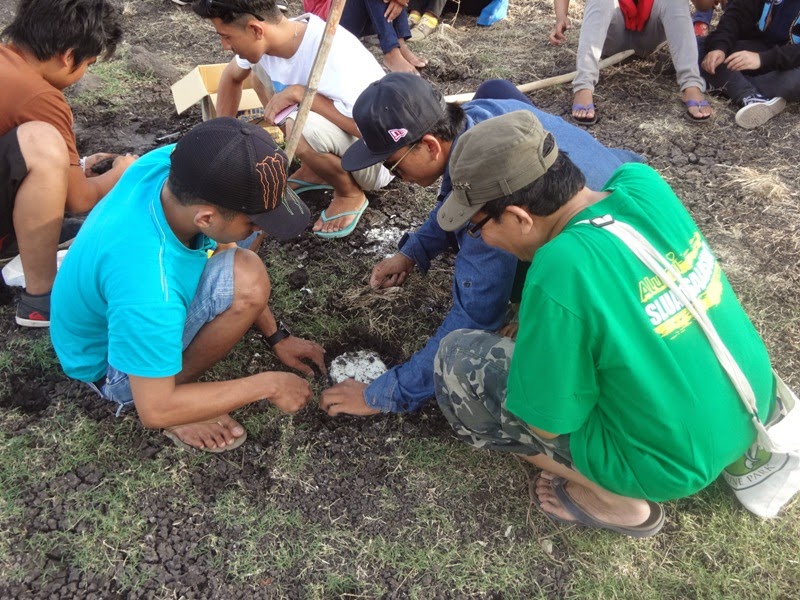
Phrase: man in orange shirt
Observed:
(49, 45)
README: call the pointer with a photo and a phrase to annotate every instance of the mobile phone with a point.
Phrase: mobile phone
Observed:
(281, 117)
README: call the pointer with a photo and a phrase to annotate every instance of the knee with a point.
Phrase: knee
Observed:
(42, 144)
(251, 285)
(446, 362)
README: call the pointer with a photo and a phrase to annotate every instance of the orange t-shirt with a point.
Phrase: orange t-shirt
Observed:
(28, 97)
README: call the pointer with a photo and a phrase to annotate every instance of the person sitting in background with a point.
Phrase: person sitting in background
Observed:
(424, 15)
(610, 26)
(407, 125)
(141, 327)
(611, 388)
(49, 45)
(277, 54)
(753, 57)
(387, 19)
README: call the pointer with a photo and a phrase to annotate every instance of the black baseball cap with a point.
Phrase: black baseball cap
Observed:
(390, 113)
(238, 166)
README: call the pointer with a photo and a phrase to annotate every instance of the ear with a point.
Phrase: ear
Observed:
(204, 216)
(521, 217)
(433, 145)
(256, 27)
(67, 59)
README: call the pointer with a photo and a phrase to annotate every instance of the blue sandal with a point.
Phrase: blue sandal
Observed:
(305, 186)
(347, 230)
(584, 120)
(698, 104)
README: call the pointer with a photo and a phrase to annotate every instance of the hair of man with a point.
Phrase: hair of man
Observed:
(48, 28)
(544, 196)
(450, 125)
(186, 198)
(225, 10)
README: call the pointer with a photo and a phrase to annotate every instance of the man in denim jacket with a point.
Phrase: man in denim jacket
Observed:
(407, 125)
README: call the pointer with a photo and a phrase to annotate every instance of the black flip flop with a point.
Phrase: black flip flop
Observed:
(650, 527)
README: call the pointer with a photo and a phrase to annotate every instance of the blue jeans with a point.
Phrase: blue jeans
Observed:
(214, 296)
(363, 17)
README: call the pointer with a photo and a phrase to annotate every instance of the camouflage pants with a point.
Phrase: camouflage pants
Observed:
(470, 375)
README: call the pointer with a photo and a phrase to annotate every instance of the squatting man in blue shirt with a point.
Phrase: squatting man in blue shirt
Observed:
(406, 124)
(139, 309)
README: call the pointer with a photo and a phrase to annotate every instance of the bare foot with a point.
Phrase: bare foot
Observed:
(697, 112)
(214, 433)
(412, 58)
(396, 63)
(584, 99)
(340, 204)
(305, 173)
(626, 512)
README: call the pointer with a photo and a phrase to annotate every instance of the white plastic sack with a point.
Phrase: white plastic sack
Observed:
(13, 274)
(768, 475)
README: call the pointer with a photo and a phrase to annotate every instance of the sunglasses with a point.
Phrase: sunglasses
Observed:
(395, 165)
(211, 4)
(473, 229)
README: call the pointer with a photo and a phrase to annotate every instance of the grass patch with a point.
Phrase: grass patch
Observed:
(115, 83)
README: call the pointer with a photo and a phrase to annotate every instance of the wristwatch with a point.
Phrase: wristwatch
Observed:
(282, 333)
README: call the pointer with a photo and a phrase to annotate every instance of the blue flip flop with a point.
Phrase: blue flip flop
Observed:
(306, 186)
(696, 104)
(587, 121)
(347, 230)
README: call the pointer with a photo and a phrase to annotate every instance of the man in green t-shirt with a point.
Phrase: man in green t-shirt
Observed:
(613, 389)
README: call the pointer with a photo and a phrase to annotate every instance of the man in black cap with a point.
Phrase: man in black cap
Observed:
(406, 124)
(154, 290)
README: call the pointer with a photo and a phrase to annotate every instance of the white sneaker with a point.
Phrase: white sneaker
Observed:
(757, 111)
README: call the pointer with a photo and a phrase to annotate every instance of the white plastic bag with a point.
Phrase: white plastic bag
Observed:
(14, 275)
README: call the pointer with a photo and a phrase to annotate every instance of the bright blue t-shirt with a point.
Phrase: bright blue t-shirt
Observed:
(121, 295)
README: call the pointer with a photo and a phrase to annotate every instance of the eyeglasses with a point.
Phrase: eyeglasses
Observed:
(473, 229)
(210, 4)
(395, 165)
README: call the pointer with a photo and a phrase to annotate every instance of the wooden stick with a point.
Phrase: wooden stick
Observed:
(314, 76)
(550, 81)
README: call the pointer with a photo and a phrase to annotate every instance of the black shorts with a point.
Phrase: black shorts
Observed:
(13, 171)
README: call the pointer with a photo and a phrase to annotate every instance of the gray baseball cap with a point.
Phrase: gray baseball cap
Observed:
(492, 160)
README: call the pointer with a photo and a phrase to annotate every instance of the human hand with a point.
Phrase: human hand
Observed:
(509, 331)
(95, 160)
(346, 398)
(124, 161)
(291, 392)
(391, 272)
(744, 60)
(393, 9)
(558, 35)
(712, 60)
(289, 95)
(292, 351)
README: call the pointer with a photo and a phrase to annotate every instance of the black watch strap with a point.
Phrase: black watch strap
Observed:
(282, 333)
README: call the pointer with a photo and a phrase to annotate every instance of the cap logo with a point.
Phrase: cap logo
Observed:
(398, 134)
(272, 174)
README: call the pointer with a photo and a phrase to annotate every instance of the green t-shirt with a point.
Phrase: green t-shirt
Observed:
(605, 353)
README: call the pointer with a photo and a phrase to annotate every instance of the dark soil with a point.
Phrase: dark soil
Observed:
(750, 218)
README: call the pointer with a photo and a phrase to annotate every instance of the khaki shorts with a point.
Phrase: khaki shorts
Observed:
(325, 137)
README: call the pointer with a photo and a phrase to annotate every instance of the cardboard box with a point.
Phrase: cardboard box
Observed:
(201, 84)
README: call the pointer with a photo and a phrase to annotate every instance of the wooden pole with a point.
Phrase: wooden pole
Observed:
(550, 81)
(314, 76)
